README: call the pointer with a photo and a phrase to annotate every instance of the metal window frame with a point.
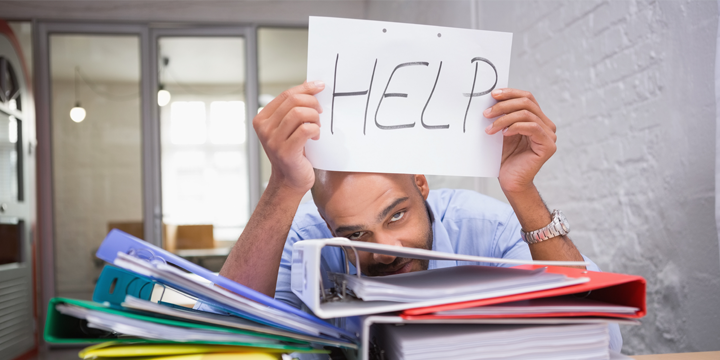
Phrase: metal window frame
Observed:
(249, 34)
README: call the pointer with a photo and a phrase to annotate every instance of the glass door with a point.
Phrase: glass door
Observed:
(205, 141)
(282, 64)
(96, 151)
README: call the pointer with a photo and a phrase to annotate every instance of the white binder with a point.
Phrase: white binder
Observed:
(372, 346)
(330, 299)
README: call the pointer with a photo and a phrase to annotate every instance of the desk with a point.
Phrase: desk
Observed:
(707, 355)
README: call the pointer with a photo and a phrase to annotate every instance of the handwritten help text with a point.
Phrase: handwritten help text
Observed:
(470, 95)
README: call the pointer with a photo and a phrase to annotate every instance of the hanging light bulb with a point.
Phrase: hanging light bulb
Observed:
(77, 114)
(163, 96)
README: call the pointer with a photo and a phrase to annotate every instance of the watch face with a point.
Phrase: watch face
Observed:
(563, 222)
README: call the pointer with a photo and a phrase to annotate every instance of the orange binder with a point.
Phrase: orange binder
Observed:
(618, 289)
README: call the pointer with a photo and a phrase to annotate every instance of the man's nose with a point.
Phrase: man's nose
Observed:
(385, 240)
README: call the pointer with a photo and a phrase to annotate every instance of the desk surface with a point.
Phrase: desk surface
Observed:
(707, 355)
(203, 252)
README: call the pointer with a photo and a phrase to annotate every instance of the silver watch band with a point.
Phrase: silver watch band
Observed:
(557, 227)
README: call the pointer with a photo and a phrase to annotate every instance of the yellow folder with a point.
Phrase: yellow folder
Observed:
(214, 356)
(175, 351)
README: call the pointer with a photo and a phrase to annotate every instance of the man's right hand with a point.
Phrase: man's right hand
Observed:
(283, 127)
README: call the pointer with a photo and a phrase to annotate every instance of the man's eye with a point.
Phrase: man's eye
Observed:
(356, 235)
(397, 216)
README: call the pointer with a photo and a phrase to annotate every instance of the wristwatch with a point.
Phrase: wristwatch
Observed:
(557, 227)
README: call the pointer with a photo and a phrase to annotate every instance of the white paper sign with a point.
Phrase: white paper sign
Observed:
(397, 97)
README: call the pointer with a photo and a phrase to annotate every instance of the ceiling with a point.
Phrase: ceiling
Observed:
(282, 56)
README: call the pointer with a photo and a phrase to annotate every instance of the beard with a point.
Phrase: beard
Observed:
(380, 269)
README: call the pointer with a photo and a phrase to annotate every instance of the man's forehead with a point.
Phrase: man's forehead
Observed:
(340, 187)
(330, 181)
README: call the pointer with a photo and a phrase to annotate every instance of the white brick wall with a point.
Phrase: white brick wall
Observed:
(630, 86)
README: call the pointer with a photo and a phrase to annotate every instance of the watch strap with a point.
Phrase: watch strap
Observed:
(558, 226)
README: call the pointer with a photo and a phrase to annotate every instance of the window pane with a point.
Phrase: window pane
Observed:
(282, 62)
(97, 166)
(9, 164)
(203, 133)
(187, 122)
(227, 122)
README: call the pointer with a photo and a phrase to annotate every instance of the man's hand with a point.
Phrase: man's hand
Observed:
(529, 138)
(283, 127)
(529, 141)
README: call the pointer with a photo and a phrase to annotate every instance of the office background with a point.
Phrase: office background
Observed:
(630, 85)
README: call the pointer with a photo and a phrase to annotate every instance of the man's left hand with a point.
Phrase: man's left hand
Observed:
(529, 137)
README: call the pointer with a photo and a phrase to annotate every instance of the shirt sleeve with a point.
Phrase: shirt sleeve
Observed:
(283, 292)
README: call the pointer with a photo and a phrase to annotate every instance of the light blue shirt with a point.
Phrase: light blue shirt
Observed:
(464, 222)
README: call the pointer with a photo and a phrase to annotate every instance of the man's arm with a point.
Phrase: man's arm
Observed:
(529, 141)
(283, 127)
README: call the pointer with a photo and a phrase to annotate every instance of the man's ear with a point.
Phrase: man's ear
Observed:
(422, 184)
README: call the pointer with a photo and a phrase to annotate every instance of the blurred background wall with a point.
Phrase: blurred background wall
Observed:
(630, 85)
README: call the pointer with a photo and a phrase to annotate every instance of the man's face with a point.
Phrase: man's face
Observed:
(380, 208)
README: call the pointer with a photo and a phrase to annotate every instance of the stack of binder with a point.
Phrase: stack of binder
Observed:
(124, 322)
(535, 310)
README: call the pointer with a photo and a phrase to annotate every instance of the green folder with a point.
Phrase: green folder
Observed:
(65, 329)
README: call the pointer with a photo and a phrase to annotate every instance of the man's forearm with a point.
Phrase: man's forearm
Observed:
(255, 258)
(533, 214)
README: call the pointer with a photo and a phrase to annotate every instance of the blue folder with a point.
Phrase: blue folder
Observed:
(117, 241)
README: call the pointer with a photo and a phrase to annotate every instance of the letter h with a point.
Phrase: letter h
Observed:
(351, 93)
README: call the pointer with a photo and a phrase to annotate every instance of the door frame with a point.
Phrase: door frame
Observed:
(43, 116)
(249, 34)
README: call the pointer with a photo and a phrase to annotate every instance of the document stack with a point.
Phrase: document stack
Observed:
(466, 341)
(123, 321)
(535, 310)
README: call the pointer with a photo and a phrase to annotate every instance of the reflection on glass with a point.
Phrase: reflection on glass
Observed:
(226, 127)
(203, 134)
(97, 169)
(9, 171)
(187, 123)
(282, 62)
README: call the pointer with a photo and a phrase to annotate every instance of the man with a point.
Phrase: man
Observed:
(394, 209)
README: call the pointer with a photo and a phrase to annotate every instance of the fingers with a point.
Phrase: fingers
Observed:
(270, 121)
(282, 116)
(511, 100)
(308, 87)
(540, 141)
(296, 117)
(520, 116)
(508, 93)
(301, 135)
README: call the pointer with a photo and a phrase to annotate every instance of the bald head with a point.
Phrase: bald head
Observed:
(327, 183)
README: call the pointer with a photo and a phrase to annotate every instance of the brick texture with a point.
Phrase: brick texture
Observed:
(630, 86)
